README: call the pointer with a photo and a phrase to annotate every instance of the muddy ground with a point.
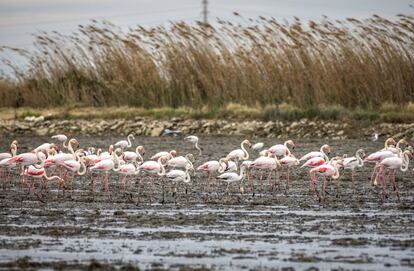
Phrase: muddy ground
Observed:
(207, 228)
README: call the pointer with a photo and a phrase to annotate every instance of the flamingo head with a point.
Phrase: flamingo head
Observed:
(291, 144)
(247, 142)
(13, 147)
(326, 148)
(14, 142)
(74, 142)
(163, 160)
(190, 157)
(173, 153)
(111, 149)
(131, 136)
(390, 142)
(141, 150)
(361, 153)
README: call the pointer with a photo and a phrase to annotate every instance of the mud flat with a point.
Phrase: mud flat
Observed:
(207, 228)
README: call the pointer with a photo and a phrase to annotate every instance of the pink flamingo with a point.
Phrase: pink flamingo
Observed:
(326, 170)
(392, 164)
(62, 139)
(288, 161)
(39, 172)
(181, 161)
(74, 166)
(154, 168)
(282, 150)
(240, 154)
(231, 177)
(123, 144)
(130, 156)
(105, 166)
(211, 167)
(25, 160)
(168, 155)
(267, 163)
(320, 153)
(4, 162)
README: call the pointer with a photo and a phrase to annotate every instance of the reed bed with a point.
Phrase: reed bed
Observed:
(350, 63)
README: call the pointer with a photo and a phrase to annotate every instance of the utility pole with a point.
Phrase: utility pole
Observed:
(205, 11)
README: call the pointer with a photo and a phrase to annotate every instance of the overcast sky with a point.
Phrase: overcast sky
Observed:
(21, 18)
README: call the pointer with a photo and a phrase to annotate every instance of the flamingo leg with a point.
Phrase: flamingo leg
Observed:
(395, 186)
(287, 180)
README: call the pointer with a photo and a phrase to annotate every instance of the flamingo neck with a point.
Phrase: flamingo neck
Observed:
(197, 147)
(246, 154)
(83, 167)
(162, 172)
(70, 148)
(129, 141)
(139, 156)
(116, 161)
(325, 156)
(406, 161)
(65, 144)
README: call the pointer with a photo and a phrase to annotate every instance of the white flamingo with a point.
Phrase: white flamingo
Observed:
(194, 139)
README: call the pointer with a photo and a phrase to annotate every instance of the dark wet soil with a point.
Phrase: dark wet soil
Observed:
(208, 228)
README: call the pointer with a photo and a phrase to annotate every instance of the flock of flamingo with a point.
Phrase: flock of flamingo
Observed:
(49, 162)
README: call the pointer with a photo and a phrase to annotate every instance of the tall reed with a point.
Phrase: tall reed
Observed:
(352, 63)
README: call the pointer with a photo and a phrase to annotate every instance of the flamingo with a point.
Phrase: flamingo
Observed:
(397, 147)
(74, 166)
(230, 166)
(326, 170)
(288, 161)
(105, 166)
(154, 168)
(25, 160)
(59, 158)
(211, 167)
(168, 155)
(128, 170)
(130, 156)
(123, 144)
(181, 161)
(351, 163)
(392, 164)
(240, 154)
(258, 146)
(231, 177)
(194, 139)
(177, 175)
(320, 153)
(62, 139)
(282, 150)
(5, 155)
(39, 172)
(378, 156)
(267, 163)
(4, 161)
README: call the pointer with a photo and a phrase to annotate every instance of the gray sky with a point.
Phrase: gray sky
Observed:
(21, 18)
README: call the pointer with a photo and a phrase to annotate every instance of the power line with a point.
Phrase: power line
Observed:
(98, 18)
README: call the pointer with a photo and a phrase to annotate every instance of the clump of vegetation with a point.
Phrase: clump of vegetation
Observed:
(350, 63)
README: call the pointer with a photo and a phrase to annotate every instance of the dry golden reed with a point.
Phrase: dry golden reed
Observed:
(351, 63)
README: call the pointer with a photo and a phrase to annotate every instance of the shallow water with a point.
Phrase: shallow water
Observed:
(214, 230)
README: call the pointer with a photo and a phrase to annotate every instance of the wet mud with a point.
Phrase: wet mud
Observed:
(208, 228)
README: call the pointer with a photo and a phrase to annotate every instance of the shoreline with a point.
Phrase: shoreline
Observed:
(146, 126)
